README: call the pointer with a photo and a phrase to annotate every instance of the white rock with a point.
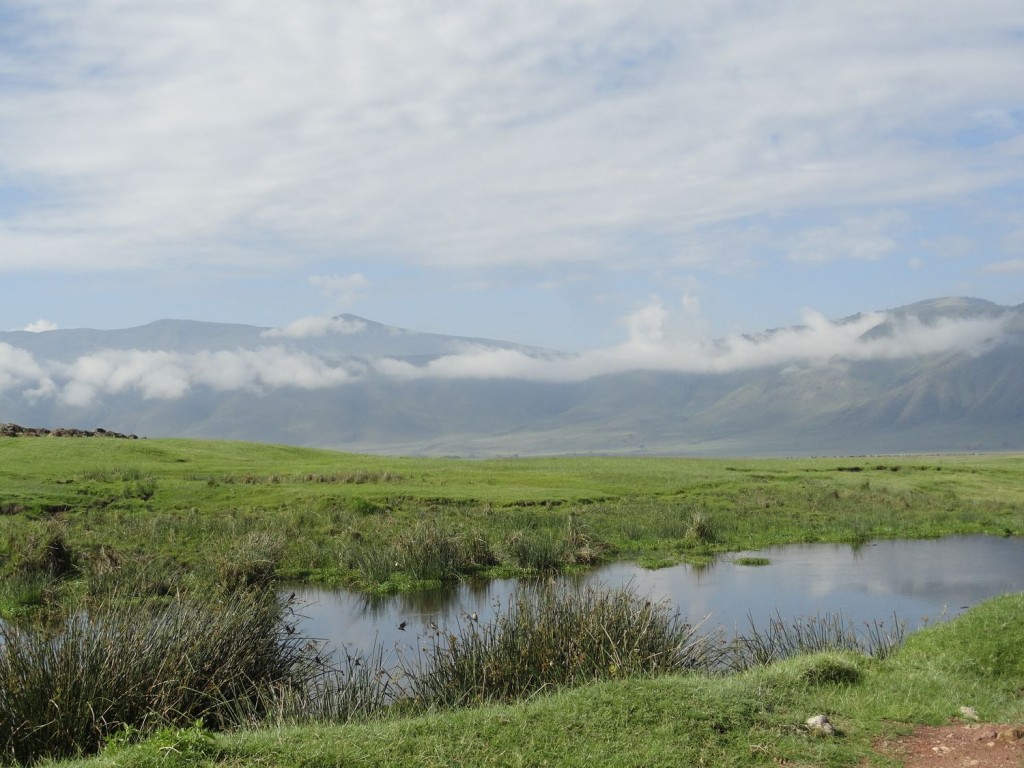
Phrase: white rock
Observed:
(820, 724)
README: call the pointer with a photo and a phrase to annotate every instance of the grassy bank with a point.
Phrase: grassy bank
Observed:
(753, 718)
(71, 507)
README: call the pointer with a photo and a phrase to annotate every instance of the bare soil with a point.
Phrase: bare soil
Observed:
(979, 745)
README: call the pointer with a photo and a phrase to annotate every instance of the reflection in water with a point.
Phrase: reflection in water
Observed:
(917, 581)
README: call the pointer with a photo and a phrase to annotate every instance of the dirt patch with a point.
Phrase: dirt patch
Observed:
(979, 745)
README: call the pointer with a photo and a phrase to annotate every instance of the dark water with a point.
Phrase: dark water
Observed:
(917, 581)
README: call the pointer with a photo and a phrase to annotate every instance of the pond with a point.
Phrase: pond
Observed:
(917, 582)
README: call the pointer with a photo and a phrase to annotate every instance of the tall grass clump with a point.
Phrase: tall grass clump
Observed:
(360, 688)
(249, 563)
(33, 578)
(558, 637)
(44, 551)
(426, 554)
(830, 632)
(68, 686)
(701, 529)
(582, 546)
(535, 551)
(430, 553)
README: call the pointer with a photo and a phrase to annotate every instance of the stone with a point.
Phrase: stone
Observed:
(16, 430)
(1011, 734)
(820, 725)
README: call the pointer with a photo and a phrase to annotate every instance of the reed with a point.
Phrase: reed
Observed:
(425, 554)
(431, 553)
(67, 686)
(782, 639)
(360, 688)
(553, 637)
(373, 563)
(535, 551)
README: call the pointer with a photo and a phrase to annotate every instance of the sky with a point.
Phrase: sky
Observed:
(550, 173)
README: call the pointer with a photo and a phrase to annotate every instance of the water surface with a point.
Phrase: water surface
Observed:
(917, 581)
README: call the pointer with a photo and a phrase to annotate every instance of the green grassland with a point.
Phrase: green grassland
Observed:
(387, 523)
(144, 530)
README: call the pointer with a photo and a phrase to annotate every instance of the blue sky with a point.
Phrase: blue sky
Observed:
(539, 171)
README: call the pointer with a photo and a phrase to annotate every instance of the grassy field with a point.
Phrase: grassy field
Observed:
(754, 718)
(134, 533)
(381, 523)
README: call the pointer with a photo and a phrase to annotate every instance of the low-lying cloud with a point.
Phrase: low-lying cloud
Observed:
(39, 326)
(159, 375)
(309, 327)
(653, 345)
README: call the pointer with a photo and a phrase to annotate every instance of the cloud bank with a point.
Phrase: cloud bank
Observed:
(653, 345)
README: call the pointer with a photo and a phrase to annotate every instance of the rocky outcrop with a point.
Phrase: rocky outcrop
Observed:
(16, 430)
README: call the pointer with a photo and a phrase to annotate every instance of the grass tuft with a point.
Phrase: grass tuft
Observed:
(557, 637)
(783, 639)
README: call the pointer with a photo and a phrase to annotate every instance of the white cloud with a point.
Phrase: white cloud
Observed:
(39, 326)
(265, 368)
(482, 133)
(156, 375)
(652, 346)
(307, 327)
(159, 375)
(20, 371)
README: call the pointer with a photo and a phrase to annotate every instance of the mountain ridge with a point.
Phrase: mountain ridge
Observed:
(870, 382)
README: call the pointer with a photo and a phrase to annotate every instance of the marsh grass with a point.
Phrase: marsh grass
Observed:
(752, 561)
(38, 571)
(23, 594)
(784, 639)
(553, 637)
(364, 686)
(426, 554)
(67, 686)
(429, 552)
(177, 500)
(251, 563)
(701, 529)
(373, 564)
(746, 720)
(535, 551)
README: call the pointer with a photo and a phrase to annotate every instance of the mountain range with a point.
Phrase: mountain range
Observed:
(938, 376)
